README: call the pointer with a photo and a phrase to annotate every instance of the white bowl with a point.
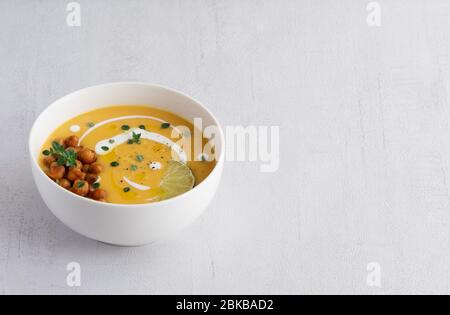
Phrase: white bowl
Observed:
(121, 224)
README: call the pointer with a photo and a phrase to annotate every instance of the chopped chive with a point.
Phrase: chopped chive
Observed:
(203, 158)
(136, 138)
(111, 141)
(130, 141)
(90, 124)
(95, 185)
(133, 167)
(125, 127)
(126, 189)
(114, 164)
(105, 148)
(142, 127)
(139, 158)
(46, 152)
(80, 184)
(165, 125)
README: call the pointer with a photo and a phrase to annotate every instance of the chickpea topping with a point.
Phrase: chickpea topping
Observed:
(78, 165)
(48, 160)
(91, 178)
(95, 168)
(56, 171)
(75, 173)
(65, 183)
(71, 141)
(80, 187)
(98, 194)
(79, 174)
(87, 156)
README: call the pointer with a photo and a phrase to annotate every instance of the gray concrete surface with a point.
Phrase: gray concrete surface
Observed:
(365, 151)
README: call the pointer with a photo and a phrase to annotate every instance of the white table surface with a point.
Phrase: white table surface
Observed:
(364, 116)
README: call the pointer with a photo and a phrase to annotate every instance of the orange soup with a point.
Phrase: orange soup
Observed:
(126, 154)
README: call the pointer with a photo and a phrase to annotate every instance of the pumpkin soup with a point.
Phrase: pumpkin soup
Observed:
(126, 154)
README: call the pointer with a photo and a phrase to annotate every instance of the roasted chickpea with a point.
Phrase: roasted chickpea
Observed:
(48, 160)
(95, 168)
(71, 141)
(91, 178)
(65, 183)
(87, 156)
(85, 168)
(80, 187)
(56, 171)
(98, 194)
(75, 173)
(78, 165)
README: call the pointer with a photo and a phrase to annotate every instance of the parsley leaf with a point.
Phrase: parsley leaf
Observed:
(66, 157)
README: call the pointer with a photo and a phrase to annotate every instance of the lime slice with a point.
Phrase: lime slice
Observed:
(177, 180)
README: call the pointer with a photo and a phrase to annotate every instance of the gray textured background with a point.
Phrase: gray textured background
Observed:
(365, 150)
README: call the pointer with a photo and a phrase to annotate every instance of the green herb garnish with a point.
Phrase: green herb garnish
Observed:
(80, 184)
(165, 125)
(46, 152)
(133, 167)
(111, 141)
(105, 148)
(142, 127)
(90, 124)
(139, 158)
(125, 127)
(63, 157)
(126, 189)
(203, 158)
(130, 141)
(95, 185)
(114, 164)
(136, 137)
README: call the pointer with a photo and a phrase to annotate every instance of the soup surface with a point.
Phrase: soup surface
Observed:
(144, 154)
